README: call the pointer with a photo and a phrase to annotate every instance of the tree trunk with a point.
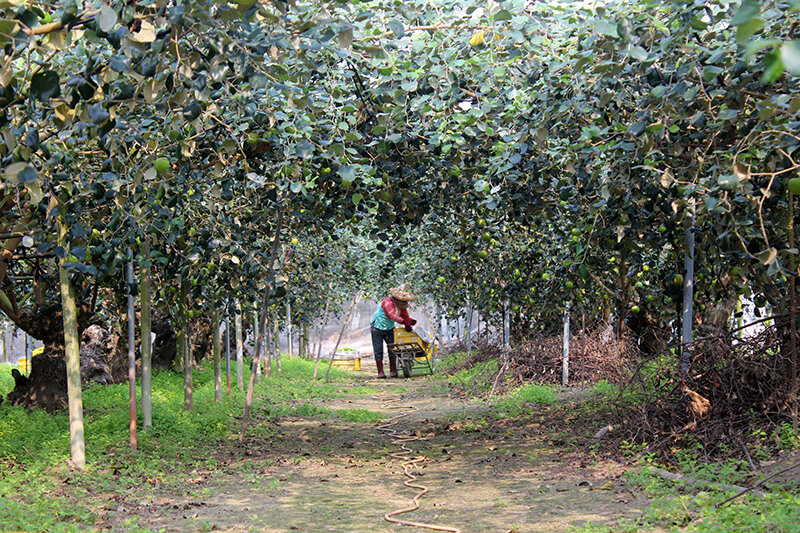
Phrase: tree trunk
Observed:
(72, 352)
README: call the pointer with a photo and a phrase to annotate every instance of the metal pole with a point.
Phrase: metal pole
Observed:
(565, 357)
(506, 326)
(239, 348)
(228, 347)
(289, 328)
(688, 297)
(469, 327)
(255, 341)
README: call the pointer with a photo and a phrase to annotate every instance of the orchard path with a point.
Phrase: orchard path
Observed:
(322, 473)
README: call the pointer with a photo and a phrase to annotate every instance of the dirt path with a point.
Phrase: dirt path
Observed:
(322, 473)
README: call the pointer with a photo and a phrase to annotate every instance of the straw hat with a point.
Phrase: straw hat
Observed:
(402, 293)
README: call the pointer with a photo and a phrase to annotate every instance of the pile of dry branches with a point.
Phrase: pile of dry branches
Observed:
(735, 392)
(595, 353)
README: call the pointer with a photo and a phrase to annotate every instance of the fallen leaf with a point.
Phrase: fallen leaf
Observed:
(605, 486)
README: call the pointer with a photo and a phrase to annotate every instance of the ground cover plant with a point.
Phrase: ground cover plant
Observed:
(35, 452)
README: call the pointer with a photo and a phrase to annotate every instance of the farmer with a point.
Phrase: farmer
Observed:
(393, 308)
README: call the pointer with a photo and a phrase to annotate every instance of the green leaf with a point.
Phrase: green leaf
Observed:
(45, 85)
(28, 174)
(748, 29)
(503, 14)
(583, 271)
(604, 27)
(755, 46)
(773, 67)
(98, 114)
(357, 197)
(397, 28)
(304, 149)
(347, 173)
(748, 10)
(728, 182)
(107, 19)
(637, 52)
(790, 55)
(637, 128)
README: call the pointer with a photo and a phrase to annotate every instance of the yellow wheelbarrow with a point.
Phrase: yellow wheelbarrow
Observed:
(412, 351)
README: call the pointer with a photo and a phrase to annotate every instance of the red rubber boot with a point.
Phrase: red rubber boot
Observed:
(392, 367)
(379, 364)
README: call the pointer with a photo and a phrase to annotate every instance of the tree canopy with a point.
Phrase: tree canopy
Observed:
(529, 151)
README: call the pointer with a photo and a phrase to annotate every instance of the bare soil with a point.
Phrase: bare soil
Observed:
(322, 473)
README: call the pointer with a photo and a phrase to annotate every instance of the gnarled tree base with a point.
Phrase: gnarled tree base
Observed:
(46, 386)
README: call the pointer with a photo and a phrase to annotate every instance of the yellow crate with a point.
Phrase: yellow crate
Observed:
(401, 336)
(24, 365)
(348, 364)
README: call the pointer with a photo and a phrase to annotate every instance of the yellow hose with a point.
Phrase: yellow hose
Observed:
(408, 464)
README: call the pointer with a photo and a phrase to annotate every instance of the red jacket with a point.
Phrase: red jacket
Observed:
(391, 311)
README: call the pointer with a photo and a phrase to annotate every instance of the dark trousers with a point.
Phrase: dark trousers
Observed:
(379, 337)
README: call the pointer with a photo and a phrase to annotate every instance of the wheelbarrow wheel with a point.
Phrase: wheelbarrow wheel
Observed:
(406, 364)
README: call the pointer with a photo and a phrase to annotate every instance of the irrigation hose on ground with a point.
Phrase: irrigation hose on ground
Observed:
(388, 426)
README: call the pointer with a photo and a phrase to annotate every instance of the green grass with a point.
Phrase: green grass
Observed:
(518, 401)
(35, 451)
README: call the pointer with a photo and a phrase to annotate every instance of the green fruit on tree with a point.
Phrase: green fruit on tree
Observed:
(662, 228)
(454, 257)
(678, 280)
(635, 309)
(569, 285)
(486, 237)
(161, 165)
(794, 186)
(545, 276)
(294, 240)
(483, 254)
(481, 222)
(440, 279)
